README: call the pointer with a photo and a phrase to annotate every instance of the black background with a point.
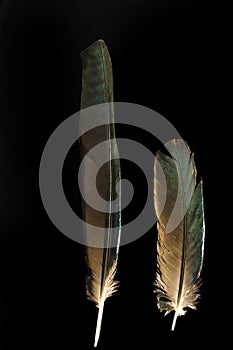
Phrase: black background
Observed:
(165, 56)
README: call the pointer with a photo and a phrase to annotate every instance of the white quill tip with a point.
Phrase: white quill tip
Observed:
(179, 312)
(99, 322)
(174, 320)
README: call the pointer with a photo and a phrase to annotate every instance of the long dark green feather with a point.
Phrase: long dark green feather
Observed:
(97, 88)
(180, 213)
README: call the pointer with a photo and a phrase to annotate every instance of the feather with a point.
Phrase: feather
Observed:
(179, 208)
(97, 88)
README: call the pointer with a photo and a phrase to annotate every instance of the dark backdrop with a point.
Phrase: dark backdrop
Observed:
(164, 56)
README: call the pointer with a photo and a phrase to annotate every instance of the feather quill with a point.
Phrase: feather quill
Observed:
(179, 208)
(97, 88)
